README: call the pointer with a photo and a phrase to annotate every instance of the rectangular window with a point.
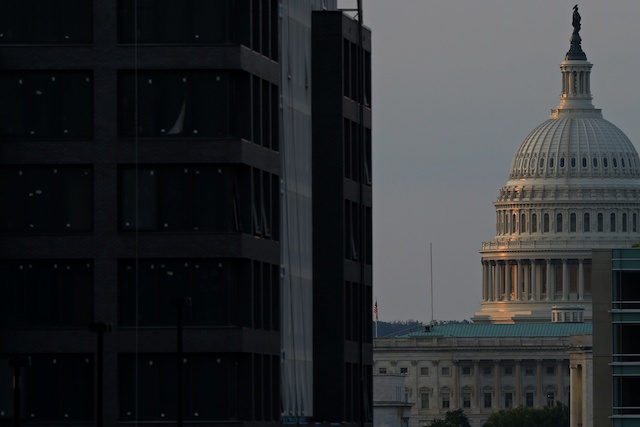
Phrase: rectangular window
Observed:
(211, 378)
(550, 369)
(508, 400)
(486, 371)
(184, 104)
(404, 370)
(38, 105)
(446, 400)
(529, 398)
(467, 371)
(551, 399)
(56, 389)
(199, 198)
(46, 199)
(146, 289)
(46, 22)
(508, 370)
(194, 22)
(424, 370)
(529, 371)
(446, 371)
(466, 400)
(48, 294)
(487, 400)
(382, 370)
(424, 400)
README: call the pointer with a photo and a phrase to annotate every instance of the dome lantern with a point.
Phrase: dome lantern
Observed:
(576, 79)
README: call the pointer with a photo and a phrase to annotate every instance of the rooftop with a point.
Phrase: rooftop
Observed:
(511, 330)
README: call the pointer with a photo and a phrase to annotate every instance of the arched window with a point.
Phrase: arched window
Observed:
(634, 223)
(561, 162)
(514, 222)
(622, 161)
(600, 222)
(541, 162)
(572, 223)
(595, 162)
(545, 223)
(612, 222)
(559, 223)
(584, 162)
(573, 162)
(586, 224)
(605, 162)
(615, 162)
(523, 223)
(534, 223)
(624, 222)
(551, 162)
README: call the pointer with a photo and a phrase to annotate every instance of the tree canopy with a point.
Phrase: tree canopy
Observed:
(455, 418)
(524, 416)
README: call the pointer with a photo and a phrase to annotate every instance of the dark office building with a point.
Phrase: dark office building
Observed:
(616, 349)
(342, 217)
(166, 251)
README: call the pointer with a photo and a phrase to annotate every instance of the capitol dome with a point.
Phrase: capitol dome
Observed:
(575, 147)
(574, 186)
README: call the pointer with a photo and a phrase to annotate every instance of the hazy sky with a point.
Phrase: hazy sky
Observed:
(458, 84)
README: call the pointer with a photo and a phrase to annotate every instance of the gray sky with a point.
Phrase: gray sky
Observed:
(458, 84)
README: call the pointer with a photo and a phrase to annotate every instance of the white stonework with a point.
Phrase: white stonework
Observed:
(480, 374)
(574, 186)
(390, 405)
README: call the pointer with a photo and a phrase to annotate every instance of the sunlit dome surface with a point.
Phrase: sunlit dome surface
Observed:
(575, 146)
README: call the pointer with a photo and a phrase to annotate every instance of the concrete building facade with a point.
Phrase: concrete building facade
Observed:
(483, 368)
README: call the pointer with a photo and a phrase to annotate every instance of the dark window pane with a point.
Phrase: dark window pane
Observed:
(175, 104)
(147, 287)
(175, 21)
(46, 293)
(46, 104)
(46, 22)
(48, 199)
(207, 378)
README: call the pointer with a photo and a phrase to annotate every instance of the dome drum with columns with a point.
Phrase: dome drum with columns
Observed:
(574, 185)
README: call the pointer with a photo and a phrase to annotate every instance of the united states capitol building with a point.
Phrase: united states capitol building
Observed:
(573, 186)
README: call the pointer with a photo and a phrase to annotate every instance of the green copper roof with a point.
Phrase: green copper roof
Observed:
(514, 330)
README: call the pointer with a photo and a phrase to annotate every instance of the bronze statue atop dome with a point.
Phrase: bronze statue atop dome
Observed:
(576, 20)
(575, 51)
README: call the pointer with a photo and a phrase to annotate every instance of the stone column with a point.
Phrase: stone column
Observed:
(539, 390)
(518, 395)
(492, 280)
(498, 294)
(519, 281)
(484, 281)
(565, 281)
(477, 403)
(535, 286)
(581, 280)
(496, 384)
(559, 382)
(550, 288)
(575, 405)
(455, 389)
(507, 280)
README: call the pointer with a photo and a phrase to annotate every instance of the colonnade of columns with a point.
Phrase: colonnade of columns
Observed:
(497, 401)
(529, 280)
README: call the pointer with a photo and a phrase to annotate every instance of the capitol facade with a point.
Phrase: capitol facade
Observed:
(574, 185)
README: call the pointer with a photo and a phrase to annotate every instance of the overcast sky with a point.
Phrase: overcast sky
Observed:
(458, 84)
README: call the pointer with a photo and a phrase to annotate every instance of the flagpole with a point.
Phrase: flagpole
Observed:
(431, 272)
